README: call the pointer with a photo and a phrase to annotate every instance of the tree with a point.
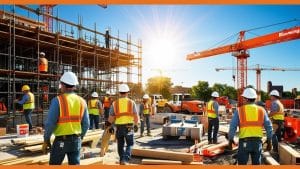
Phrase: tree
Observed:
(230, 91)
(264, 96)
(202, 90)
(136, 90)
(159, 84)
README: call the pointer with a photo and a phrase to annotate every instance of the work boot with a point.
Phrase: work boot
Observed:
(124, 163)
(149, 134)
(209, 142)
(141, 135)
(215, 142)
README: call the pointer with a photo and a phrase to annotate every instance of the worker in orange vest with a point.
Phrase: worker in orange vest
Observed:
(277, 117)
(95, 110)
(212, 111)
(3, 109)
(28, 104)
(106, 104)
(251, 119)
(68, 120)
(145, 113)
(124, 115)
(43, 63)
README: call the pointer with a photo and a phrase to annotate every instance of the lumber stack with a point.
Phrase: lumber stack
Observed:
(288, 155)
(269, 159)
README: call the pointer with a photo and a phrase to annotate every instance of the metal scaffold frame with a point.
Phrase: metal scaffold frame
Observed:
(100, 66)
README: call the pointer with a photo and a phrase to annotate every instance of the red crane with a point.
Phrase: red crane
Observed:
(258, 70)
(240, 51)
(48, 20)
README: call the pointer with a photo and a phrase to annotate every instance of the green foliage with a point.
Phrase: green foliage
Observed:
(159, 85)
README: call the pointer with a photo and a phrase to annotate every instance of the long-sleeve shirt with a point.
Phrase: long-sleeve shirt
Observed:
(53, 116)
(24, 99)
(274, 107)
(235, 121)
(216, 108)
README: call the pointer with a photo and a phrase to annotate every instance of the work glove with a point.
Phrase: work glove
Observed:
(135, 128)
(229, 147)
(111, 130)
(269, 145)
(107, 124)
(46, 147)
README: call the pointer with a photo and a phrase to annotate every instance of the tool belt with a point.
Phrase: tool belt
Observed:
(67, 137)
(250, 139)
(129, 126)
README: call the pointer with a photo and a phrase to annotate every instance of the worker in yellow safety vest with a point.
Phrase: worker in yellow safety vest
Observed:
(145, 113)
(43, 63)
(277, 117)
(251, 120)
(95, 110)
(124, 115)
(212, 110)
(68, 120)
(28, 104)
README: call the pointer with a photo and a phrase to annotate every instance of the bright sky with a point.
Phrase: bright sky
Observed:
(169, 33)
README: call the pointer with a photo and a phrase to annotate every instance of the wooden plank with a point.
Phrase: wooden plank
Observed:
(34, 149)
(21, 161)
(288, 155)
(269, 159)
(162, 154)
(160, 162)
(6, 157)
(92, 161)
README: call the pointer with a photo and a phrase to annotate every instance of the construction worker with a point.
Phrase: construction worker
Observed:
(43, 63)
(124, 115)
(68, 120)
(95, 110)
(250, 118)
(145, 113)
(277, 117)
(213, 118)
(106, 104)
(3, 109)
(28, 104)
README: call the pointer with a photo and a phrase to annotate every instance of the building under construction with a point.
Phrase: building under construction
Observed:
(100, 60)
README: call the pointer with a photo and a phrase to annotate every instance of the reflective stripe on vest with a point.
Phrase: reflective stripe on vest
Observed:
(146, 108)
(251, 121)
(211, 110)
(43, 67)
(280, 114)
(106, 102)
(71, 108)
(29, 104)
(93, 107)
(123, 111)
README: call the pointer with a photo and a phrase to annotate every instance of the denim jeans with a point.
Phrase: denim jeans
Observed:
(70, 146)
(94, 121)
(106, 113)
(252, 148)
(27, 114)
(213, 123)
(147, 120)
(278, 134)
(123, 135)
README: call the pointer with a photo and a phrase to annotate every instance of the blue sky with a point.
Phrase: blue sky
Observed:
(169, 33)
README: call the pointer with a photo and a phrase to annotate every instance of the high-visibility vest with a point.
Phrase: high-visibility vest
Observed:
(93, 106)
(146, 108)
(43, 66)
(251, 121)
(280, 114)
(71, 109)
(123, 108)
(210, 110)
(106, 102)
(29, 104)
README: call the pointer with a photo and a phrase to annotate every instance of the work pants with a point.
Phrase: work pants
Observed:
(213, 128)
(94, 121)
(124, 134)
(146, 119)
(106, 113)
(252, 148)
(278, 133)
(27, 114)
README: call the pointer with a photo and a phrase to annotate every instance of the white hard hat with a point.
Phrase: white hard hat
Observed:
(249, 93)
(42, 53)
(123, 88)
(107, 92)
(146, 96)
(274, 93)
(69, 78)
(95, 94)
(215, 94)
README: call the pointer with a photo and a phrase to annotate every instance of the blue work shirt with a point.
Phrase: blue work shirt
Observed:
(53, 116)
(216, 107)
(235, 121)
(274, 107)
(24, 99)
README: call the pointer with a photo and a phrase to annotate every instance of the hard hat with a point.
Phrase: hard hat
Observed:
(123, 88)
(25, 87)
(249, 93)
(274, 93)
(108, 92)
(95, 94)
(69, 78)
(42, 53)
(146, 96)
(215, 94)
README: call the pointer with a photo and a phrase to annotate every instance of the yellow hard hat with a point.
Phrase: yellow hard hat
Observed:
(25, 87)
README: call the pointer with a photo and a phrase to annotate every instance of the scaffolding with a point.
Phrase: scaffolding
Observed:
(101, 61)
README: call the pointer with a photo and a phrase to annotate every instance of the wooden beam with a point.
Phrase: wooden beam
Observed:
(288, 155)
(160, 162)
(162, 154)
(92, 161)
(19, 162)
(6, 157)
(269, 159)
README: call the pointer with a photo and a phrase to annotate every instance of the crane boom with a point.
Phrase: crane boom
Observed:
(272, 38)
